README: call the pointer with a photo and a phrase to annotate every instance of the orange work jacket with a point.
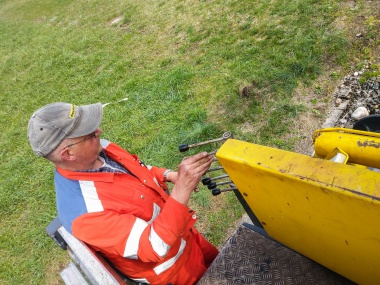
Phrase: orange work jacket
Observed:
(133, 222)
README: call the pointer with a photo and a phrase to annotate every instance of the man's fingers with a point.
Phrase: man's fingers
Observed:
(205, 163)
(196, 165)
(194, 158)
(196, 161)
(201, 165)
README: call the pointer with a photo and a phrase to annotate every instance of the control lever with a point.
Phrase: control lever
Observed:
(207, 180)
(218, 191)
(213, 185)
(215, 169)
(186, 147)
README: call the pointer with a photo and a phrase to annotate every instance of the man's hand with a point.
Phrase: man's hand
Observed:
(190, 171)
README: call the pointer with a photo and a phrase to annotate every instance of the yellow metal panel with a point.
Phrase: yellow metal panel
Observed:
(327, 211)
(362, 147)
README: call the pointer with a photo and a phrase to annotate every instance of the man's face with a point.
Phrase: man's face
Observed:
(86, 148)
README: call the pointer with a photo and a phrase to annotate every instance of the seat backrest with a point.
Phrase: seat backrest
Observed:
(96, 269)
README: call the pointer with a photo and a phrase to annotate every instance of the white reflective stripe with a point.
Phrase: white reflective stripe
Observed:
(155, 181)
(141, 280)
(156, 211)
(169, 263)
(133, 241)
(158, 245)
(91, 198)
(149, 167)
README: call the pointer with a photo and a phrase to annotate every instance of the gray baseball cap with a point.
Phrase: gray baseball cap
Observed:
(53, 123)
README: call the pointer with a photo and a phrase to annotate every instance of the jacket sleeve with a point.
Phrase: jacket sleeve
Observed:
(134, 238)
(158, 172)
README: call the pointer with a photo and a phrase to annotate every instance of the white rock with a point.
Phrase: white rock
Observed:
(359, 113)
(343, 121)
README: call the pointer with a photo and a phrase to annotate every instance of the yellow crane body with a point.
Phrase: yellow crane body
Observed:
(327, 211)
(363, 147)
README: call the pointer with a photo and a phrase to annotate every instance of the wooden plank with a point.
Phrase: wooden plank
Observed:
(71, 275)
(89, 263)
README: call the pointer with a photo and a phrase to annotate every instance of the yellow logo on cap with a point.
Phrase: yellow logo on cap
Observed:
(72, 112)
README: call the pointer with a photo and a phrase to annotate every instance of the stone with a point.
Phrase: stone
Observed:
(343, 121)
(359, 113)
(351, 93)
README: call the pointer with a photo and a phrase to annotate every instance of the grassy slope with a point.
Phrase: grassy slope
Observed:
(180, 63)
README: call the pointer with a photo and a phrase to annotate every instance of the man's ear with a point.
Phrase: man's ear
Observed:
(67, 155)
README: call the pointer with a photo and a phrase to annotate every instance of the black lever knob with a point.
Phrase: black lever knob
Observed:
(211, 185)
(206, 181)
(183, 147)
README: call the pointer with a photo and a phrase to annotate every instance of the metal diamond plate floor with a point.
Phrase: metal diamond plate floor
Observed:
(251, 258)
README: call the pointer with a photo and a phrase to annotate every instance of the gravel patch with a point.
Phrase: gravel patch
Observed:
(357, 97)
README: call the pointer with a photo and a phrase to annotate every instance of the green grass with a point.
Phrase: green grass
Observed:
(180, 64)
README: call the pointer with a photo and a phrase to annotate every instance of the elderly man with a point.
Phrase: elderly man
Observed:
(111, 200)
